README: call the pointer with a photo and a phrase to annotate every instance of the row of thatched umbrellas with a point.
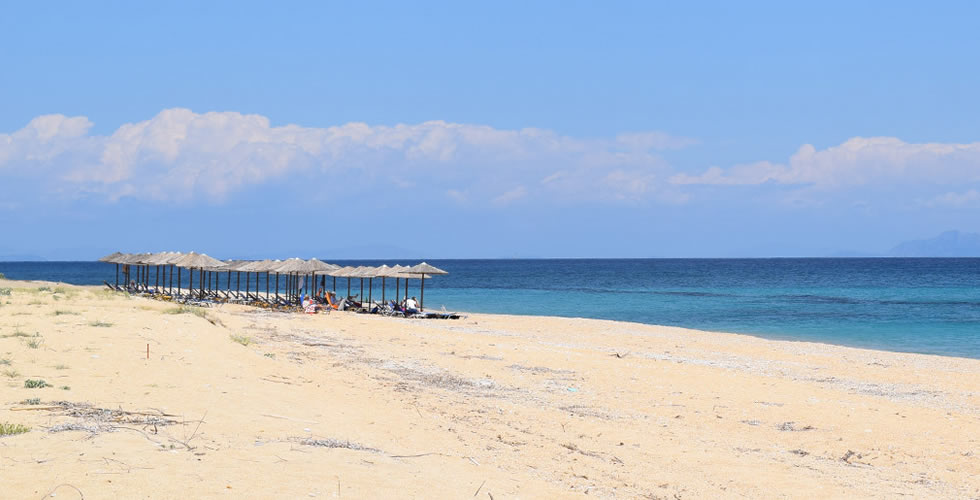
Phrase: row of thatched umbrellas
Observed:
(295, 272)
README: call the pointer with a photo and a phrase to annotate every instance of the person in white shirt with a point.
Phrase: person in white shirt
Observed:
(411, 306)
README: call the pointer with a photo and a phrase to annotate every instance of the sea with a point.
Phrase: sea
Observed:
(920, 305)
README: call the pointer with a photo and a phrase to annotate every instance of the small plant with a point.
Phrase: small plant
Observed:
(5, 291)
(61, 367)
(4, 362)
(270, 355)
(100, 324)
(44, 289)
(35, 341)
(8, 429)
(17, 333)
(35, 302)
(196, 311)
(11, 373)
(241, 339)
(31, 401)
(63, 312)
(35, 384)
(3, 276)
(65, 388)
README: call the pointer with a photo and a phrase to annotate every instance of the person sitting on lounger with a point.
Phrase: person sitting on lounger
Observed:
(309, 306)
(411, 306)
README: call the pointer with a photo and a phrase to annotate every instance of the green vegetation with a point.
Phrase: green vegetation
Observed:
(35, 384)
(36, 302)
(65, 388)
(8, 429)
(5, 292)
(240, 339)
(99, 323)
(63, 312)
(44, 289)
(2, 276)
(4, 362)
(35, 341)
(60, 367)
(105, 294)
(270, 355)
(196, 311)
(17, 333)
(31, 401)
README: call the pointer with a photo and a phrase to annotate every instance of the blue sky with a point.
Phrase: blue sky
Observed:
(493, 129)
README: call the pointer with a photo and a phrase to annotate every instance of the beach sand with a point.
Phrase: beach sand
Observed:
(244, 403)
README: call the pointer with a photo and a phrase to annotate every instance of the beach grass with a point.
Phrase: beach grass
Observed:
(35, 384)
(196, 311)
(60, 367)
(6, 292)
(17, 333)
(104, 294)
(31, 401)
(241, 339)
(63, 312)
(99, 324)
(8, 429)
(4, 362)
(35, 342)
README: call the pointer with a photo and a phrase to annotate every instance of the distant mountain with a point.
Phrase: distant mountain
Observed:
(948, 244)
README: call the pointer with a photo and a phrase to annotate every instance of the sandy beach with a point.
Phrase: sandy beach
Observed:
(148, 400)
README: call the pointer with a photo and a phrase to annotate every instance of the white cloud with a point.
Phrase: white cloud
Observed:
(858, 161)
(510, 196)
(654, 140)
(179, 154)
(967, 198)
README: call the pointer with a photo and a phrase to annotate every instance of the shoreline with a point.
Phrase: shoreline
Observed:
(758, 336)
(853, 340)
(349, 405)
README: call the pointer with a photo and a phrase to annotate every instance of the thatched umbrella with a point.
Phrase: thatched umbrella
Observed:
(383, 271)
(370, 273)
(249, 267)
(295, 266)
(343, 272)
(201, 262)
(396, 272)
(361, 272)
(137, 260)
(231, 266)
(318, 266)
(113, 258)
(423, 270)
(265, 266)
(162, 259)
(168, 259)
(270, 266)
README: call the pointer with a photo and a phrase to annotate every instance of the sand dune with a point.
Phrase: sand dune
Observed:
(234, 402)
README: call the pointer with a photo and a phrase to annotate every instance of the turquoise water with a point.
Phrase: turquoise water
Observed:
(913, 305)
